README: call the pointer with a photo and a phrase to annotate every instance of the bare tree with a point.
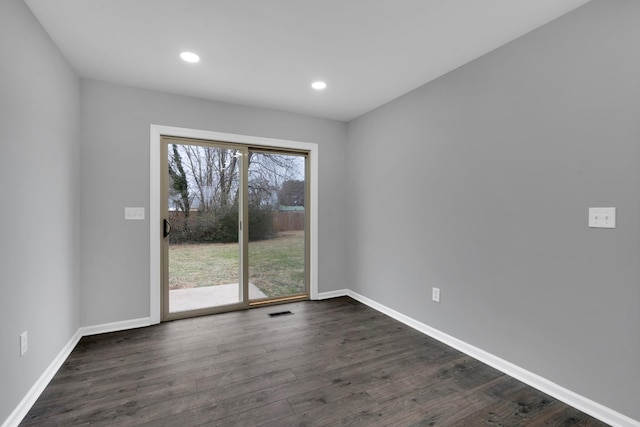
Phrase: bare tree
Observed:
(210, 175)
(179, 183)
(291, 193)
(207, 179)
(268, 172)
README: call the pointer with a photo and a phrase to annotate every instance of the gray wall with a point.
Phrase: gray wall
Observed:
(479, 183)
(115, 172)
(39, 190)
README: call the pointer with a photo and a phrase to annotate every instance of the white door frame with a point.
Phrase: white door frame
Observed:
(154, 200)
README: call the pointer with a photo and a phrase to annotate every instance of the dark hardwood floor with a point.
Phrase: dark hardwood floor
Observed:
(333, 362)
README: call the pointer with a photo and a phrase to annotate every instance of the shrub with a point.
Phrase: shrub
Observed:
(220, 226)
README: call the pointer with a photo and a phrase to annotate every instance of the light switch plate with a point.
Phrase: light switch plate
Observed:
(24, 343)
(435, 294)
(602, 217)
(133, 213)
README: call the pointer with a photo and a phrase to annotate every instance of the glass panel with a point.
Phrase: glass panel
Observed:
(276, 209)
(203, 209)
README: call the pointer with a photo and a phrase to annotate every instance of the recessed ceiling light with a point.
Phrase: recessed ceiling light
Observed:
(189, 57)
(319, 85)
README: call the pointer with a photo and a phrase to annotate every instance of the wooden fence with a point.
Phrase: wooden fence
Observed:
(288, 220)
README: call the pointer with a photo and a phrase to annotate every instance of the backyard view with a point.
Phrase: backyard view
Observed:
(204, 198)
(276, 265)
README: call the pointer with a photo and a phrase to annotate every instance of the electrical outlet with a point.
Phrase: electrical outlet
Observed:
(435, 294)
(24, 343)
(602, 217)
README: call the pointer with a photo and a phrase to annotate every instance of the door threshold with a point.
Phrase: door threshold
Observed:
(278, 300)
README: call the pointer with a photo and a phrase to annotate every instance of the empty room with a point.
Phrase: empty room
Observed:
(347, 212)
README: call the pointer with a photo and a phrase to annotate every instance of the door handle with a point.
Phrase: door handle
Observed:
(167, 228)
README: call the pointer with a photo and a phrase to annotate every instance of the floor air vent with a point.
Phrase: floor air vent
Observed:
(280, 313)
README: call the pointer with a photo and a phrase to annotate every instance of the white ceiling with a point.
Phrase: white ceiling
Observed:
(266, 53)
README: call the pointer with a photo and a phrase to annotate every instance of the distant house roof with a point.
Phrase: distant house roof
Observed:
(291, 208)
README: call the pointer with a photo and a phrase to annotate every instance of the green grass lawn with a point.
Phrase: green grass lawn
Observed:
(276, 266)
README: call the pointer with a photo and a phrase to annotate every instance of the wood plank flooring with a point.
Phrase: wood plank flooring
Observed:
(332, 363)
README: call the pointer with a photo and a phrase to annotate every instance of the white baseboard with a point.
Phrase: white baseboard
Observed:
(36, 390)
(331, 294)
(582, 403)
(114, 326)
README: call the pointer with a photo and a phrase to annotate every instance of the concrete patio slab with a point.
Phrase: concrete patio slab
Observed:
(209, 296)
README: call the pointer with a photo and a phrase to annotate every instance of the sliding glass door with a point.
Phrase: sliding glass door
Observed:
(277, 217)
(210, 261)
